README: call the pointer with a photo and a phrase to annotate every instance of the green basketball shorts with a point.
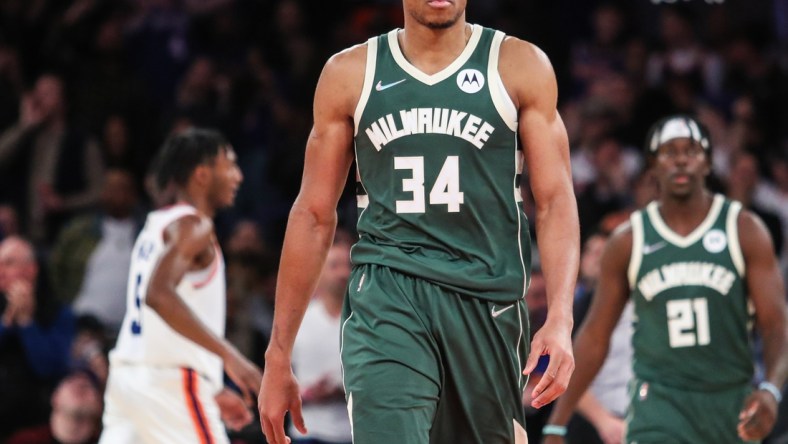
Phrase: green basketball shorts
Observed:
(426, 365)
(659, 414)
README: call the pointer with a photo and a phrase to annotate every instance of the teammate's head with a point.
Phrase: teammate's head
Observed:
(200, 160)
(435, 14)
(679, 151)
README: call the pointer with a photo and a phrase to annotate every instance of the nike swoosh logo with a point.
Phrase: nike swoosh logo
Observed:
(380, 86)
(495, 313)
(648, 249)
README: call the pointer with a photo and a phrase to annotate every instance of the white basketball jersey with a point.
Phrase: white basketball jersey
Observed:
(145, 339)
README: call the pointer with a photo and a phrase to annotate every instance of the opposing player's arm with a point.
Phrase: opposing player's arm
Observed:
(767, 293)
(592, 339)
(310, 229)
(530, 81)
(185, 240)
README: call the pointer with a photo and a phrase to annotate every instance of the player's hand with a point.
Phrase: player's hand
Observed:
(244, 374)
(554, 339)
(757, 417)
(235, 414)
(279, 394)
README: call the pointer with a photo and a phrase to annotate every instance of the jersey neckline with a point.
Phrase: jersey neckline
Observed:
(685, 241)
(432, 79)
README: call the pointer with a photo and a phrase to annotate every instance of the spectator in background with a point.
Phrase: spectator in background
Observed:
(9, 221)
(741, 186)
(316, 360)
(76, 410)
(35, 338)
(90, 260)
(58, 168)
(773, 195)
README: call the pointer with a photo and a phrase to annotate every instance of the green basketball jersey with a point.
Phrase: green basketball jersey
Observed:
(692, 311)
(439, 169)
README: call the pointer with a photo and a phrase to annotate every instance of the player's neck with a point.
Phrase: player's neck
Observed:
(431, 50)
(684, 215)
(200, 202)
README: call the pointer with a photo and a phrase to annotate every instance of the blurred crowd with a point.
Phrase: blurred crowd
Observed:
(89, 89)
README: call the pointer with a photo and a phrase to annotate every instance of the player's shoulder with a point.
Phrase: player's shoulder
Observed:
(348, 62)
(189, 228)
(619, 244)
(526, 70)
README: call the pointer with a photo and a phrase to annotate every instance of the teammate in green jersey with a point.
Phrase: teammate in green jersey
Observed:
(697, 268)
(440, 116)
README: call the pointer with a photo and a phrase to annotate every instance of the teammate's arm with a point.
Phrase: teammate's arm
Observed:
(530, 80)
(767, 292)
(592, 339)
(185, 240)
(310, 230)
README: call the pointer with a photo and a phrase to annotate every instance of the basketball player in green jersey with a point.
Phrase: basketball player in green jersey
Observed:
(440, 116)
(696, 265)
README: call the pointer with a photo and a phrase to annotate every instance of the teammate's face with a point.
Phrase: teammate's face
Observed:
(227, 178)
(435, 14)
(681, 167)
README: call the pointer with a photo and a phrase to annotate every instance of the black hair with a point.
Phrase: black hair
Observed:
(185, 151)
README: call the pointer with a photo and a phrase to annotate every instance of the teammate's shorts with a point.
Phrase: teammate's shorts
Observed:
(426, 365)
(160, 405)
(660, 414)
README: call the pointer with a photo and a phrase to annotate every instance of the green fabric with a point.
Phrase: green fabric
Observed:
(477, 244)
(708, 328)
(660, 414)
(426, 365)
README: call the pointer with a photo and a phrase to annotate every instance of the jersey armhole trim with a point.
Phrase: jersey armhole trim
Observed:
(500, 97)
(732, 228)
(369, 75)
(636, 258)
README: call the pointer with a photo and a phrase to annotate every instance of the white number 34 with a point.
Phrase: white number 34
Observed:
(445, 191)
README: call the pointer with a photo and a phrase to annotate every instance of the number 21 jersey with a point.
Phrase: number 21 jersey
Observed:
(692, 310)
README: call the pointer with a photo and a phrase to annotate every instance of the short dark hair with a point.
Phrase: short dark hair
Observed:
(185, 151)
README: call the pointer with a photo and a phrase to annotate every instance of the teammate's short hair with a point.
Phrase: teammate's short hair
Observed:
(675, 127)
(185, 151)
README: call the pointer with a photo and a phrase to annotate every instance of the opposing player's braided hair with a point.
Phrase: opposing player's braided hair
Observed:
(185, 151)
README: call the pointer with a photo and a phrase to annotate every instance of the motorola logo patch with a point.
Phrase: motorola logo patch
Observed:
(470, 80)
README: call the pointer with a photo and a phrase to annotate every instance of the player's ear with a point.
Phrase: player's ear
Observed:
(202, 174)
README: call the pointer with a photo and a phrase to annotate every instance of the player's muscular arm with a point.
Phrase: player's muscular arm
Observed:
(767, 292)
(530, 81)
(592, 340)
(310, 230)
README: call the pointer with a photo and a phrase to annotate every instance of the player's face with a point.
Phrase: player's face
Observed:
(681, 167)
(435, 14)
(227, 178)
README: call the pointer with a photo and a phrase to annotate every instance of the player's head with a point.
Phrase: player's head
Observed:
(435, 14)
(201, 161)
(679, 151)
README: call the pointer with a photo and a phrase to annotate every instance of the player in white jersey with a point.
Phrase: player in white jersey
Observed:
(166, 381)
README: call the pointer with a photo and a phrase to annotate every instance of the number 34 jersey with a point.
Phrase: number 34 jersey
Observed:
(438, 170)
(693, 316)
(145, 338)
